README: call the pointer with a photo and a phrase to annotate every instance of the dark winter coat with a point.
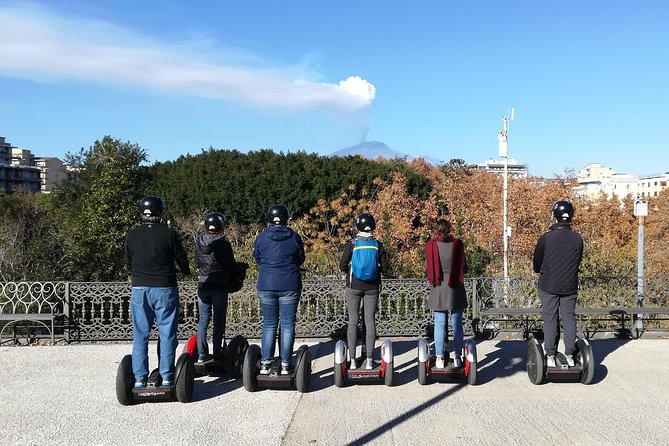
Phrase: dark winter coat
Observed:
(280, 253)
(151, 251)
(557, 257)
(215, 260)
(345, 265)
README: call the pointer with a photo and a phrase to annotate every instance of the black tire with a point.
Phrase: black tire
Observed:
(422, 373)
(587, 362)
(125, 380)
(535, 363)
(389, 378)
(339, 379)
(251, 367)
(303, 370)
(185, 381)
(234, 356)
(471, 375)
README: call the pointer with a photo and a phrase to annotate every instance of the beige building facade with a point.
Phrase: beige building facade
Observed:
(595, 178)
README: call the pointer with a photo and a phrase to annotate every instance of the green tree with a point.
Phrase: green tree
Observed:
(107, 208)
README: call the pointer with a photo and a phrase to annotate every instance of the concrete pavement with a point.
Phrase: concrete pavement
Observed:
(65, 395)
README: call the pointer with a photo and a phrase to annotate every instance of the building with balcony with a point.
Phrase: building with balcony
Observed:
(17, 169)
(514, 168)
(595, 179)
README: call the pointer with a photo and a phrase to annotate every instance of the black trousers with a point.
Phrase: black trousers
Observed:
(566, 304)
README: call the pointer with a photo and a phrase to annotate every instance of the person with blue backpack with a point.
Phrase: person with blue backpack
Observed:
(363, 261)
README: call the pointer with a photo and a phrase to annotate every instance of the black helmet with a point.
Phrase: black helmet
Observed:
(365, 222)
(214, 221)
(563, 211)
(151, 208)
(277, 215)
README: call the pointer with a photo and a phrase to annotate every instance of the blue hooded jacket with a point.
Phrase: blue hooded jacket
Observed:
(280, 253)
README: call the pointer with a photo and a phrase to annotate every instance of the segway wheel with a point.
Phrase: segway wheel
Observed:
(389, 377)
(303, 370)
(185, 382)
(251, 368)
(125, 380)
(422, 373)
(535, 363)
(587, 362)
(234, 356)
(471, 373)
(339, 379)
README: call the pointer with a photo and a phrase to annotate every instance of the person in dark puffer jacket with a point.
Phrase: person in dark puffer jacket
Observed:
(557, 258)
(280, 253)
(215, 260)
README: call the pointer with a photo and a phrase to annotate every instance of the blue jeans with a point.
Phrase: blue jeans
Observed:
(162, 305)
(440, 332)
(277, 305)
(208, 300)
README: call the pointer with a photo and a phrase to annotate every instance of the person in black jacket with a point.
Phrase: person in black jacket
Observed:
(214, 260)
(557, 258)
(360, 287)
(151, 251)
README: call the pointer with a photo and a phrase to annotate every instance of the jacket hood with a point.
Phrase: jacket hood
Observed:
(279, 232)
(205, 242)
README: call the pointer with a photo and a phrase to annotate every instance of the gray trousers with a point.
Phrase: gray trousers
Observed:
(566, 304)
(370, 299)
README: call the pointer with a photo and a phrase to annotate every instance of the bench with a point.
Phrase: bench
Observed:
(36, 303)
(528, 318)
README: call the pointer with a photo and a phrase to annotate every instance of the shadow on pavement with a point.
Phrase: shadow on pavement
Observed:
(405, 416)
(211, 389)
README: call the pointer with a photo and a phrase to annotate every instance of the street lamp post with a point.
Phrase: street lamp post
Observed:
(641, 212)
(502, 137)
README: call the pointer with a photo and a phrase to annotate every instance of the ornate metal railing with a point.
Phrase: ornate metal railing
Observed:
(100, 310)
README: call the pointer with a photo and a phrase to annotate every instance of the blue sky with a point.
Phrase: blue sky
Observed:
(588, 79)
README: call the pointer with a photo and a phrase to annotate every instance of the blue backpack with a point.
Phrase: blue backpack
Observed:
(364, 262)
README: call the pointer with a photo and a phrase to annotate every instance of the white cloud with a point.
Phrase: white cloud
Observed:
(44, 47)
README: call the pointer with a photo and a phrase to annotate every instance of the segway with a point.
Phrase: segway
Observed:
(181, 389)
(231, 360)
(298, 380)
(428, 372)
(583, 369)
(381, 373)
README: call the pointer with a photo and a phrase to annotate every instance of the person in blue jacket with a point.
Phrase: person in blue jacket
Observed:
(279, 252)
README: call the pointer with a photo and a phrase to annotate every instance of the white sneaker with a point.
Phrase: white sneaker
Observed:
(570, 360)
(353, 365)
(370, 364)
(457, 361)
(550, 361)
(439, 362)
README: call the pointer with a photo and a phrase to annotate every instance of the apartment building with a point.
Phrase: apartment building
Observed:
(595, 178)
(514, 168)
(20, 170)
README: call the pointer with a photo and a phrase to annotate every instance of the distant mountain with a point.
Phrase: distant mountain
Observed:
(371, 150)
(376, 149)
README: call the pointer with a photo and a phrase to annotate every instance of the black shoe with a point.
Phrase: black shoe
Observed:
(265, 367)
(287, 369)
